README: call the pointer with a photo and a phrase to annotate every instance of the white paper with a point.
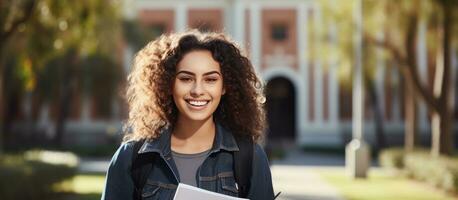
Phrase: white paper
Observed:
(186, 192)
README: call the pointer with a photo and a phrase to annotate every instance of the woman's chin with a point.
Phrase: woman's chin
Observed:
(198, 116)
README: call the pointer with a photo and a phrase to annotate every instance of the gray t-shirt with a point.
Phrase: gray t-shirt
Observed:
(187, 165)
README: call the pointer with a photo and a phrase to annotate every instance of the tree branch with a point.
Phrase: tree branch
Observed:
(411, 58)
(386, 44)
(28, 11)
(407, 62)
(447, 27)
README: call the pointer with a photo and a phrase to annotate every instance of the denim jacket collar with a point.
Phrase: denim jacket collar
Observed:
(224, 140)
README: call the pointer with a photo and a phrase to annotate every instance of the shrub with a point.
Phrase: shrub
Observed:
(392, 158)
(32, 174)
(439, 171)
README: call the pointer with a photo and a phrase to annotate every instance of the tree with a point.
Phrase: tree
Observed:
(399, 21)
(438, 100)
(47, 29)
(13, 15)
(341, 16)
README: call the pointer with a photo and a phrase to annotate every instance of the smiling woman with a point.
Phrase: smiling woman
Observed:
(198, 86)
(196, 113)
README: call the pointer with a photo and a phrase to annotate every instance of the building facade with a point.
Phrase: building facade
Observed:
(308, 101)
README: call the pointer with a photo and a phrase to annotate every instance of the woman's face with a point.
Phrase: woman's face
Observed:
(198, 85)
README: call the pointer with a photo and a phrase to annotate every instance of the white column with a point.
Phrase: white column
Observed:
(115, 109)
(395, 97)
(128, 58)
(255, 35)
(27, 105)
(85, 116)
(333, 85)
(44, 122)
(380, 73)
(129, 9)
(228, 19)
(358, 91)
(27, 108)
(302, 24)
(357, 153)
(181, 17)
(239, 22)
(318, 76)
(422, 60)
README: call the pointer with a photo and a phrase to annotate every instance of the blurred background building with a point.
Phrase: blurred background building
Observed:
(308, 87)
(64, 65)
(309, 100)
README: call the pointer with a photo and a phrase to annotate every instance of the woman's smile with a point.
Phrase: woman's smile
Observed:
(197, 104)
(198, 86)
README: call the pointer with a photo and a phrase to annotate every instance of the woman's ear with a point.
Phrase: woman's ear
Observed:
(224, 91)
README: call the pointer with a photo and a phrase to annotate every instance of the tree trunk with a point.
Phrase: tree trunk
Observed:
(439, 100)
(378, 116)
(1, 105)
(447, 139)
(5, 34)
(411, 121)
(66, 95)
(2, 95)
(10, 113)
(442, 137)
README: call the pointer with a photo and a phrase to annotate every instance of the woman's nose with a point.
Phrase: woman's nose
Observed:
(197, 89)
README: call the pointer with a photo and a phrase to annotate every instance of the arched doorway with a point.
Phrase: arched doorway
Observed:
(281, 110)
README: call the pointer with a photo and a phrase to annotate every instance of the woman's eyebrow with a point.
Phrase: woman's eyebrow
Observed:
(185, 72)
(212, 72)
(193, 74)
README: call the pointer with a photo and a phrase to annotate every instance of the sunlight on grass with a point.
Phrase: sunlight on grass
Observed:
(83, 184)
(380, 186)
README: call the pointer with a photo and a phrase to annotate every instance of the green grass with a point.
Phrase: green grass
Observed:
(83, 187)
(380, 185)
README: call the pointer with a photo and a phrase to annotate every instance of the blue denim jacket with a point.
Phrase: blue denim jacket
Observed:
(215, 174)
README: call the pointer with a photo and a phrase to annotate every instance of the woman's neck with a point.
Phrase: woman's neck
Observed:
(191, 136)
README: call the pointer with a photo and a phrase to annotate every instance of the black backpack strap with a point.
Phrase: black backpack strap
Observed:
(142, 165)
(243, 161)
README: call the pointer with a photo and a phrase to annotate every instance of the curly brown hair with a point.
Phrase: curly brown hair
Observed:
(149, 92)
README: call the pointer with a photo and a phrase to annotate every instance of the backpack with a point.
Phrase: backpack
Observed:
(142, 166)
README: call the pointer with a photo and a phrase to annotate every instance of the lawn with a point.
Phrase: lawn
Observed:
(381, 185)
(83, 187)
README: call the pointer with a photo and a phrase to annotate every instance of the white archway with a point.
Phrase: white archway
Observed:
(291, 75)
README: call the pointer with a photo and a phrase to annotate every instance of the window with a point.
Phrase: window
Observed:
(204, 27)
(279, 32)
(157, 30)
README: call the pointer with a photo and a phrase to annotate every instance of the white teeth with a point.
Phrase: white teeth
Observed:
(198, 103)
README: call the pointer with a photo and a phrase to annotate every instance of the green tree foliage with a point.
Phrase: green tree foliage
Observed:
(48, 42)
(398, 22)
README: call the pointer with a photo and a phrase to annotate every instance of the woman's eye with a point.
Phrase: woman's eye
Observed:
(211, 80)
(185, 79)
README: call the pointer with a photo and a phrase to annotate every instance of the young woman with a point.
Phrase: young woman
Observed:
(190, 96)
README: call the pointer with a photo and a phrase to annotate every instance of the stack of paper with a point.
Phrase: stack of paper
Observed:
(186, 192)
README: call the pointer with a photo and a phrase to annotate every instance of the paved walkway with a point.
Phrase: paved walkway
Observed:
(301, 183)
(91, 165)
(294, 176)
